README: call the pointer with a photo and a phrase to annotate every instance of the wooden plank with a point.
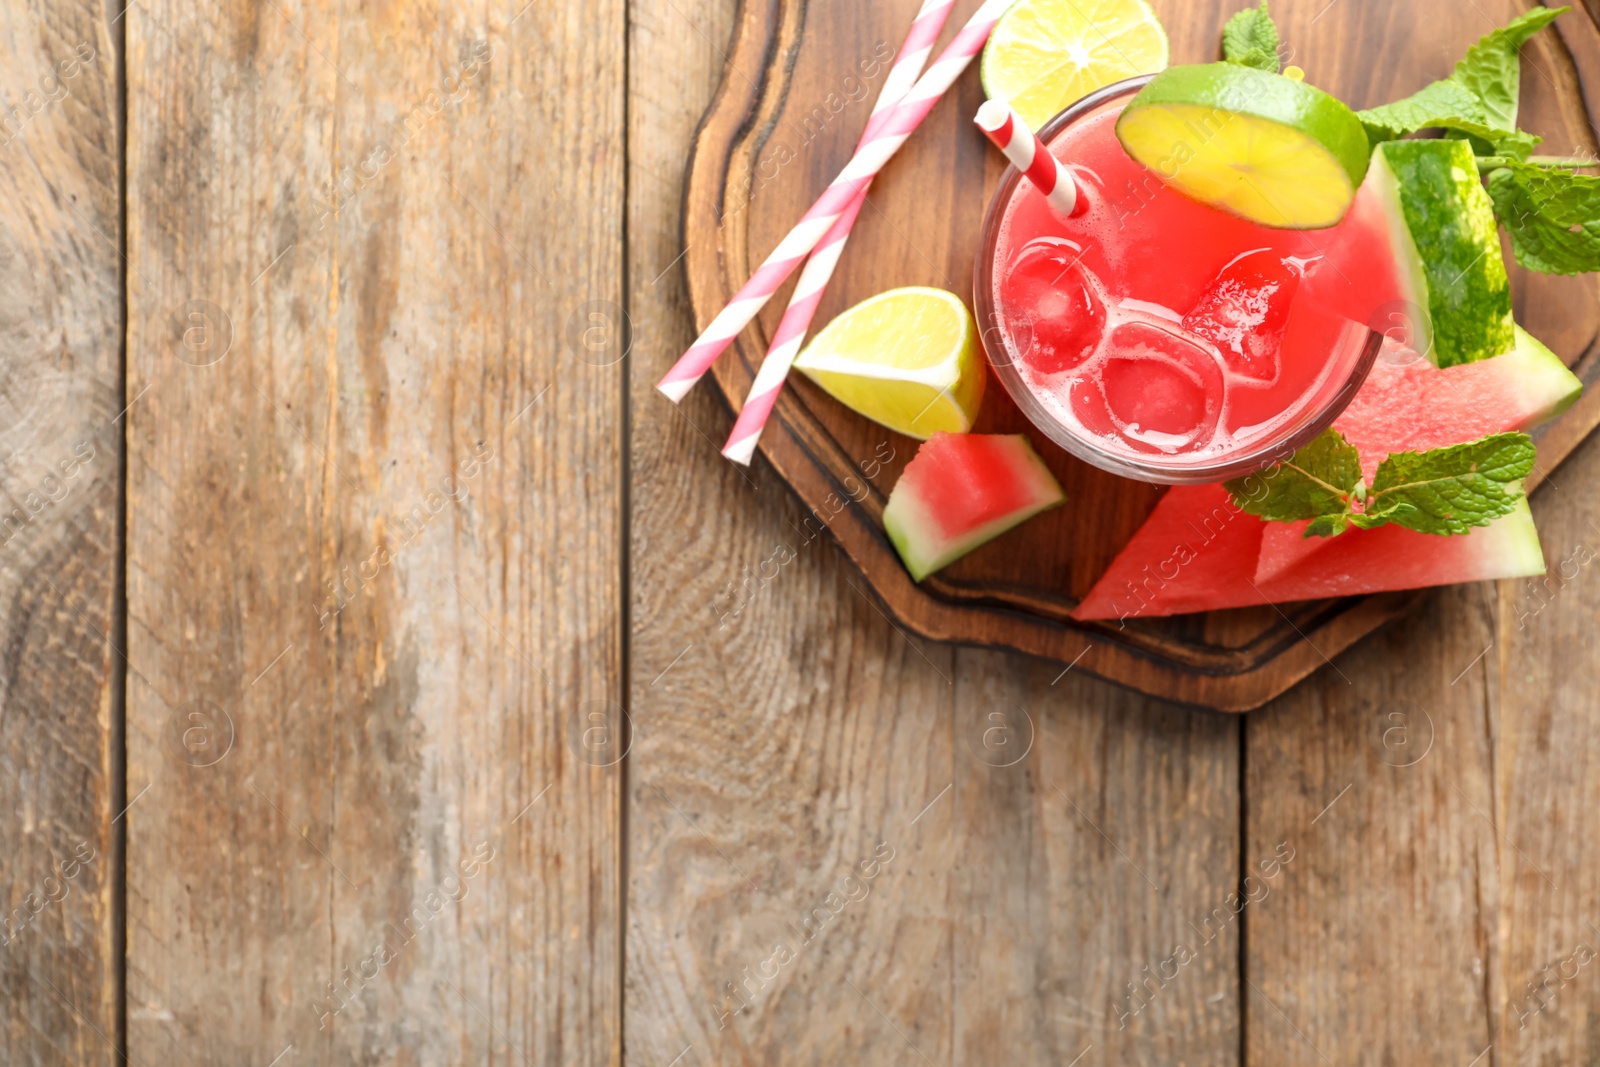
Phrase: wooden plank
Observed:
(60, 463)
(374, 532)
(1376, 773)
(1424, 893)
(786, 733)
(1544, 675)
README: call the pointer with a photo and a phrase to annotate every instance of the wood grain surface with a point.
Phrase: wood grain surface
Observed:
(60, 463)
(374, 533)
(794, 96)
(587, 726)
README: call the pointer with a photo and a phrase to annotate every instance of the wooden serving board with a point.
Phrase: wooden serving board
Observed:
(800, 79)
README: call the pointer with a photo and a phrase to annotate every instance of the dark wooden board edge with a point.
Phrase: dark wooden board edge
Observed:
(802, 452)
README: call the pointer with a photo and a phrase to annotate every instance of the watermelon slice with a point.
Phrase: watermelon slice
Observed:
(1443, 231)
(1417, 406)
(1170, 568)
(961, 490)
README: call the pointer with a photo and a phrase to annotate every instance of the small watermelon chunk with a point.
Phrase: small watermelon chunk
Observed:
(1443, 231)
(1416, 406)
(962, 490)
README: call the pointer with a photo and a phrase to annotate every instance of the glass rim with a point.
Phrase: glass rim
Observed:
(1233, 465)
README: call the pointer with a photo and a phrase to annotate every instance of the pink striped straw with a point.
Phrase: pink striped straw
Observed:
(1029, 154)
(898, 125)
(814, 277)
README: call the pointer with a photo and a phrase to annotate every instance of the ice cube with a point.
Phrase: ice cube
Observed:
(1162, 388)
(1244, 312)
(1052, 294)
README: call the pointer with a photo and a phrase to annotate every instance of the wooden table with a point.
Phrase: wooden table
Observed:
(343, 522)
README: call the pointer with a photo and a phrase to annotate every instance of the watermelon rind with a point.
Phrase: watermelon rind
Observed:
(909, 524)
(1443, 230)
(1543, 378)
(1517, 543)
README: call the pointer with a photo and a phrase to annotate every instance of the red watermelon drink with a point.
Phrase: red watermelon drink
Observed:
(1164, 339)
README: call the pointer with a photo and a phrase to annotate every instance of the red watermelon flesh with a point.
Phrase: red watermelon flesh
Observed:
(1416, 406)
(1196, 552)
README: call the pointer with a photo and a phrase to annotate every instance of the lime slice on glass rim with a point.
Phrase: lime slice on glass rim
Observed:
(1045, 55)
(1262, 146)
(907, 358)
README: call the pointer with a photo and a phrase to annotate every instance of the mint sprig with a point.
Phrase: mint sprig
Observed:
(1553, 216)
(1442, 491)
(1250, 39)
(1444, 100)
(1551, 212)
(1477, 100)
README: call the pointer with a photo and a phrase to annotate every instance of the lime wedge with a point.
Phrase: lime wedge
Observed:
(1262, 146)
(907, 358)
(1045, 55)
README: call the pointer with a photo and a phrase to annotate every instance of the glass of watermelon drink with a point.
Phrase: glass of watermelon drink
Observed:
(1163, 339)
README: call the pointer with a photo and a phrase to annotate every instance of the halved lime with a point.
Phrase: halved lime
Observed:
(907, 358)
(1262, 146)
(1045, 55)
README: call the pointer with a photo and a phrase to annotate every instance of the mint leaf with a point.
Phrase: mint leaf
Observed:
(1446, 105)
(1421, 110)
(1250, 39)
(1317, 483)
(1328, 525)
(1451, 490)
(1553, 216)
(1491, 70)
(1383, 515)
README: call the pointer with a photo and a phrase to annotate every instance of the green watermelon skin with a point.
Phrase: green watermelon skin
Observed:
(1443, 230)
